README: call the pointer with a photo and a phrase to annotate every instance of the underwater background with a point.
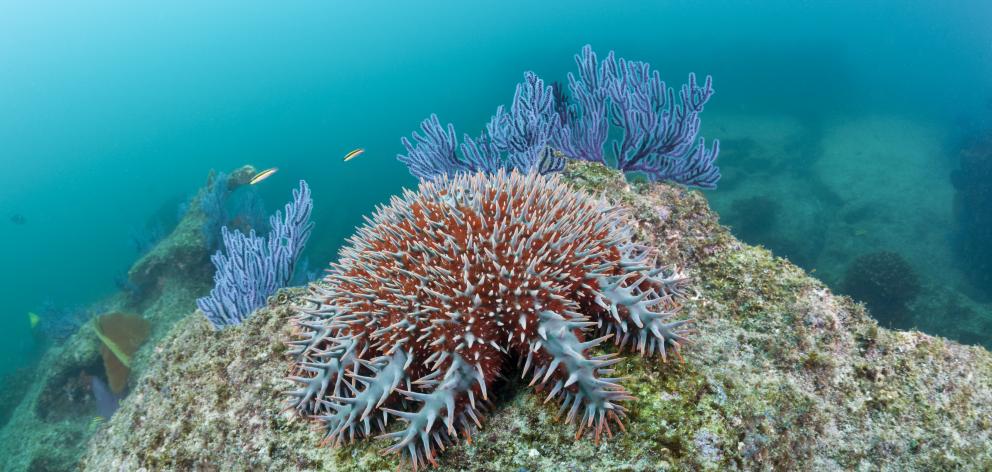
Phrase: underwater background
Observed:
(855, 136)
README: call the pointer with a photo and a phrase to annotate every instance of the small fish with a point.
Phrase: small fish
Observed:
(95, 422)
(262, 175)
(33, 319)
(18, 219)
(353, 154)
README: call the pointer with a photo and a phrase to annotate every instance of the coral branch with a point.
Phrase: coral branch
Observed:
(524, 132)
(514, 139)
(434, 151)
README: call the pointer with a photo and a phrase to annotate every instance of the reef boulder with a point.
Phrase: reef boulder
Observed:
(54, 415)
(782, 374)
(185, 251)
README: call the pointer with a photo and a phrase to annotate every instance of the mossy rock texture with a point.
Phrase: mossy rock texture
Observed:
(782, 375)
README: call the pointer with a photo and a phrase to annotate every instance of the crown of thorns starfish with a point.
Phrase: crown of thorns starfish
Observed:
(444, 289)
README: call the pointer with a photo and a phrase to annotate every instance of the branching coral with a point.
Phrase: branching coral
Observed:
(255, 267)
(443, 289)
(657, 133)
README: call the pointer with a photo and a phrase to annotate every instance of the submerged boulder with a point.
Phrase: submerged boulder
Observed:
(57, 410)
(782, 374)
(185, 252)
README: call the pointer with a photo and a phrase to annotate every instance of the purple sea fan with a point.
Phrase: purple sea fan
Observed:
(446, 288)
(527, 129)
(658, 133)
(517, 138)
(250, 267)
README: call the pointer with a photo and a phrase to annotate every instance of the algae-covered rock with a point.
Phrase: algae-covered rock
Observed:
(184, 252)
(782, 375)
(55, 417)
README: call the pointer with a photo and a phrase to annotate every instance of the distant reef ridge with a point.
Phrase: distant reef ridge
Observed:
(782, 374)
(52, 422)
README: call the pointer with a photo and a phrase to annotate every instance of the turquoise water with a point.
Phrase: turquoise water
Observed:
(847, 117)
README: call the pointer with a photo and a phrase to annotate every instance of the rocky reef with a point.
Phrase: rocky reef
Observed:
(185, 251)
(57, 414)
(973, 212)
(886, 283)
(782, 374)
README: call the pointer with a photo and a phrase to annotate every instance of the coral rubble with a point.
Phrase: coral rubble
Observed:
(445, 287)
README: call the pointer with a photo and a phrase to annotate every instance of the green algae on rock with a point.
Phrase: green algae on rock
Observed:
(782, 375)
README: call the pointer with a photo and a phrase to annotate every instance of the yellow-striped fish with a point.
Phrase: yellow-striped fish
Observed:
(353, 154)
(33, 319)
(96, 421)
(262, 175)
